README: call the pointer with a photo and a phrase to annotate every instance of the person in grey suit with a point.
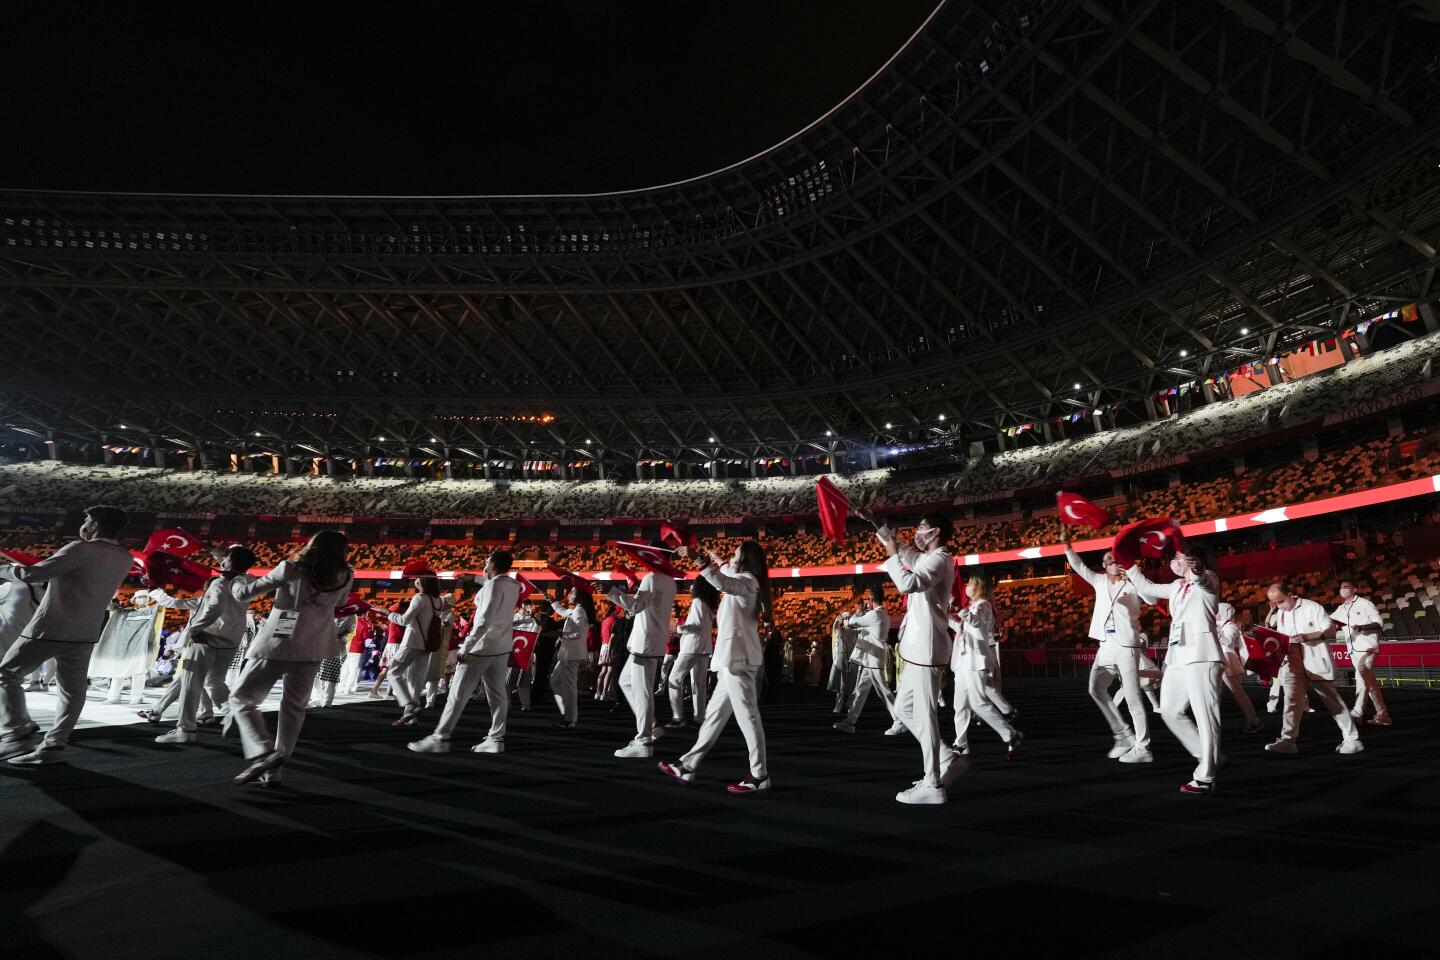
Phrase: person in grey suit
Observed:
(81, 578)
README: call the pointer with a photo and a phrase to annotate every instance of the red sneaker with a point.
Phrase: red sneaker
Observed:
(749, 785)
(1197, 788)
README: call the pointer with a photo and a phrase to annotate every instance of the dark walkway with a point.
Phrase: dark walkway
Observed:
(558, 849)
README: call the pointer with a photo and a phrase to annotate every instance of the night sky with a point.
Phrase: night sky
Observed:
(434, 98)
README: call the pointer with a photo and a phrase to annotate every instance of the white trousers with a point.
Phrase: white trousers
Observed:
(870, 678)
(1366, 686)
(470, 675)
(564, 683)
(255, 684)
(1329, 696)
(736, 691)
(992, 682)
(204, 671)
(915, 707)
(1236, 686)
(350, 673)
(972, 697)
(408, 672)
(637, 682)
(25, 656)
(694, 667)
(137, 687)
(1194, 687)
(1126, 669)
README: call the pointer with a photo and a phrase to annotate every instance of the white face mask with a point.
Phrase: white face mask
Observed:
(923, 538)
(1178, 567)
(1347, 592)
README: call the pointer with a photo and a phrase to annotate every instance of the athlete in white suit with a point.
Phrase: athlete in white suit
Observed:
(1361, 627)
(693, 662)
(1115, 625)
(1194, 661)
(924, 574)
(1311, 666)
(650, 605)
(570, 651)
(744, 586)
(1232, 645)
(871, 627)
(971, 661)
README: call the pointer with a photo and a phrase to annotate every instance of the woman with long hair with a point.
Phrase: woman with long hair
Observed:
(693, 660)
(570, 651)
(296, 636)
(744, 583)
(971, 661)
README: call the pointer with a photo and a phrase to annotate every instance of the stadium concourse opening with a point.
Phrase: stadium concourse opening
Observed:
(785, 480)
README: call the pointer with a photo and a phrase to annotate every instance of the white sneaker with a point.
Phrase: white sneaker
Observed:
(1272, 706)
(896, 729)
(922, 794)
(1357, 716)
(635, 750)
(111, 700)
(1350, 746)
(1283, 746)
(1136, 754)
(1123, 745)
(430, 744)
(954, 766)
(177, 736)
(39, 757)
(488, 746)
(844, 726)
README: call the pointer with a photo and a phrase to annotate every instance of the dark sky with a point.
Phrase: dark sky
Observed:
(489, 96)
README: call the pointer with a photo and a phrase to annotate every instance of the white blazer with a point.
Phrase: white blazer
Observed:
(215, 612)
(1358, 612)
(925, 579)
(974, 629)
(574, 631)
(82, 575)
(417, 617)
(696, 632)
(492, 632)
(1115, 617)
(301, 625)
(650, 606)
(872, 633)
(1307, 616)
(1194, 604)
(737, 635)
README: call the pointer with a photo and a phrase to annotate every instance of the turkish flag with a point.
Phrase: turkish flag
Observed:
(625, 573)
(526, 587)
(416, 567)
(1268, 650)
(678, 535)
(164, 569)
(20, 557)
(959, 595)
(834, 509)
(650, 558)
(174, 541)
(353, 606)
(1076, 511)
(568, 579)
(524, 646)
(137, 564)
(1147, 538)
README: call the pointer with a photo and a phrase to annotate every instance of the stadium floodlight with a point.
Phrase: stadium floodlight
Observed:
(382, 438)
(711, 440)
(889, 426)
(1077, 386)
(829, 433)
(1184, 353)
(1244, 331)
(942, 416)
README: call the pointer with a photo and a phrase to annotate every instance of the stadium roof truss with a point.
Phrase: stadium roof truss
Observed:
(1124, 195)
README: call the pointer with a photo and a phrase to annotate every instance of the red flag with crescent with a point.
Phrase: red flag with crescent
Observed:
(1267, 651)
(1157, 539)
(568, 579)
(354, 606)
(650, 558)
(20, 557)
(527, 588)
(959, 592)
(1076, 511)
(173, 541)
(678, 534)
(622, 572)
(164, 569)
(834, 508)
(523, 648)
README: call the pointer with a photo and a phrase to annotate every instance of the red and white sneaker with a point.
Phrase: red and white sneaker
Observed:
(1197, 788)
(749, 785)
(1014, 745)
(677, 771)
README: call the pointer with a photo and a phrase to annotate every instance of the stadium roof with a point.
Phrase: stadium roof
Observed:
(1119, 195)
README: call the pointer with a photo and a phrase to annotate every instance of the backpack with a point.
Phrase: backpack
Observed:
(434, 630)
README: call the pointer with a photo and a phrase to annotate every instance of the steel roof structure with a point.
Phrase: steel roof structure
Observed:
(1116, 194)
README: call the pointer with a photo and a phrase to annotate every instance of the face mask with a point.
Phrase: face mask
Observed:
(1176, 568)
(1346, 593)
(923, 538)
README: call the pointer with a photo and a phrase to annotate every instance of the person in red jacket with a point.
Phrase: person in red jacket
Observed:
(354, 653)
(394, 634)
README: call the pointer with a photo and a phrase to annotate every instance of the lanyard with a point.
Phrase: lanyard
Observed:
(1110, 618)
